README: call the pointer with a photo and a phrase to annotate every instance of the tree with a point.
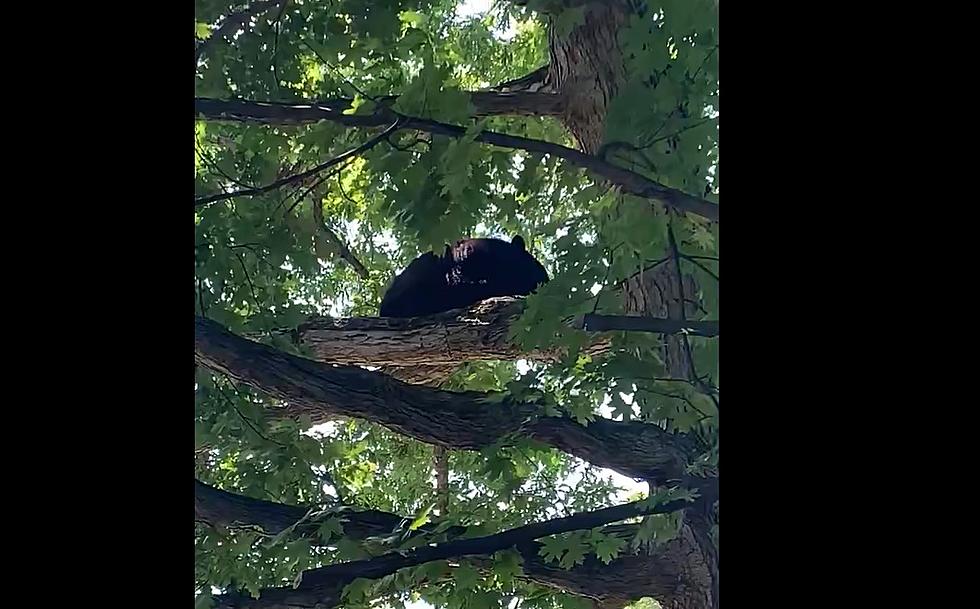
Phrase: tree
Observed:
(463, 459)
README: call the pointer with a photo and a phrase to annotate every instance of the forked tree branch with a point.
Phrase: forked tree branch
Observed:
(628, 576)
(299, 177)
(462, 420)
(323, 586)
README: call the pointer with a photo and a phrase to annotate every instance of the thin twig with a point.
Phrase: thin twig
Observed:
(325, 476)
(300, 197)
(250, 192)
(408, 147)
(232, 22)
(250, 248)
(645, 269)
(342, 250)
(675, 134)
(701, 266)
(275, 44)
(704, 61)
(714, 390)
(598, 295)
(312, 186)
(246, 419)
(675, 396)
(338, 72)
(251, 287)
(213, 165)
(343, 191)
(679, 276)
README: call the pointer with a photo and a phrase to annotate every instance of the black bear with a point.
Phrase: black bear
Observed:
(466, 273)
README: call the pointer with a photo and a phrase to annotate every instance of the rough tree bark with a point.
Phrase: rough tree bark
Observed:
(469, 420)
(459, 420)
(424, 350)
(478, 333)
(473, 334)
(427, 350)
(587, 71)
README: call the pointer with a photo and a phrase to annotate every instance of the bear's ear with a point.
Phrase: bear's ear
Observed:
(519, 242)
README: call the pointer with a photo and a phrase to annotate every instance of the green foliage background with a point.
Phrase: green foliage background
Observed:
(258, 266)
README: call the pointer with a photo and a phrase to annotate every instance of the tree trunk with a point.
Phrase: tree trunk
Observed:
(587, 70)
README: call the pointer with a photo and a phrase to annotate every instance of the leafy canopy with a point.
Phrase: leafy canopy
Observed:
(261, 264)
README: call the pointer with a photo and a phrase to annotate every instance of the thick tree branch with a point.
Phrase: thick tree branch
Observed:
(323, 586)
(628, 577)
(555, 8)
(220, 509)
(516, 103)
(299, 177)
(477, 333)
(223, 510)
(234, 21)
(485, 103)
(628, 181)
(538, 80)
(600, 323)
(431, 347)
(461, 420)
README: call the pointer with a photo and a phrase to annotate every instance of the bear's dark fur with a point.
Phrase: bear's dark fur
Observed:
(466, 273)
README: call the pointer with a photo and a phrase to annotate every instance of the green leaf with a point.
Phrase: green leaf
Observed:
(620, 408)
(607, 547)
(202, 31)
(431, 571)
(357, 103)
(466, 577)
(507, 566)
(330, 528)
(568, 549)
(357, 590)
(483, 599)
(422, 518)
(411, 18)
